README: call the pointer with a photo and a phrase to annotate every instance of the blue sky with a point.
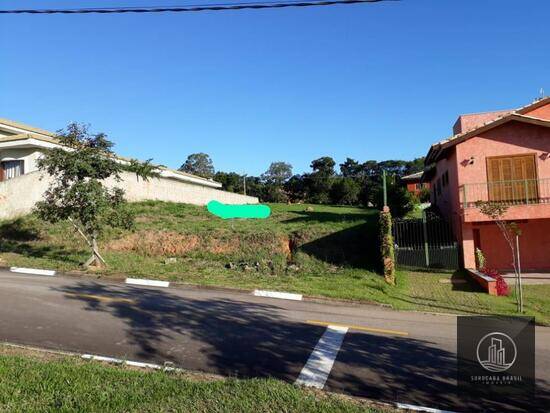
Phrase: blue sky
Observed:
(372, 81)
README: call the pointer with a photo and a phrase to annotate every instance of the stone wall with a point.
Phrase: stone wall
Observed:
(18, 195)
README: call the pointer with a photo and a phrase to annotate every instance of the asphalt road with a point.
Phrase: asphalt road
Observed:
(412, 360)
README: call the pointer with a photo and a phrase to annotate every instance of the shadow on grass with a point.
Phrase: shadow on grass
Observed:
(357, 247)
(19, 237)
(246, 339)
(326, 217)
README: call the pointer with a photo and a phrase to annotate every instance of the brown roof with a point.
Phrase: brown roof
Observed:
(518, 115)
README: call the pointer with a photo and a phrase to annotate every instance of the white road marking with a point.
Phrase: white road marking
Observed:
(151, 283)
(128, 362)
(34, 271)
(315, 372)
(277, 294)
(420, 408)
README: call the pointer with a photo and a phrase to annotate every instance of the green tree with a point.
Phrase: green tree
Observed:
(278, 173)
(274, 179)
(345, 191)
(320, 181)
(77, 192)
(351, 168)
(198, 164)
(231, 181)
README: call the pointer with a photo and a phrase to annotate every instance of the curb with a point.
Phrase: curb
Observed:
(32, 271)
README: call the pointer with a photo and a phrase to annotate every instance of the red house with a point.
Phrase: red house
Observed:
(414, 183)
(499, 156)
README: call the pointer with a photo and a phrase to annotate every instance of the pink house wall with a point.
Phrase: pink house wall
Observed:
(513, 138)
(534, 245)
(471, 121)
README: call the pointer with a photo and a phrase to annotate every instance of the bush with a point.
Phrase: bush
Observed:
(502, 285)
(386, 247)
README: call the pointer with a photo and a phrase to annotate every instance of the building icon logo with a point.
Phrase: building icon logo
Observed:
(496, 352)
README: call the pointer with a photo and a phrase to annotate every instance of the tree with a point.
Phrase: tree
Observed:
(77, 192)
(198, 164)
(231, 181)
(278, 173)
(274, 179)
(351, 168)
(319, 182)
(400, 201)
(296, 188)
(344, 191)
(511, 232)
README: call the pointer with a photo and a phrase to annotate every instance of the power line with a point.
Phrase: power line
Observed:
(191, 8)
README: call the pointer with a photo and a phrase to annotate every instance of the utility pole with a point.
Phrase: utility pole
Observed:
(244, 183)
(384, 188)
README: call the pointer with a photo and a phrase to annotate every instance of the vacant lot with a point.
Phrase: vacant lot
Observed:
(319, 250)
(45, 383)
(316, 250)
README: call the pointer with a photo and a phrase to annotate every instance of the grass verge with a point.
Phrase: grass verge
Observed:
(33, 382)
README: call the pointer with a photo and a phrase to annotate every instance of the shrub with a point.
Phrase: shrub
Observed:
(387, 247)
(502, 286)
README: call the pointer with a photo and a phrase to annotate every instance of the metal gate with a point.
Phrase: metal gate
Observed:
(425, 243)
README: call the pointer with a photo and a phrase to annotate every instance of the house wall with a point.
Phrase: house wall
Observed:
(19, 195)
(471, 121)
(28, 155)
(534, 245)
(514, 138)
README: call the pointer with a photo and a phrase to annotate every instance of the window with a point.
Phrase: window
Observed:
(11, 169)
(445, 178)
(512, 178)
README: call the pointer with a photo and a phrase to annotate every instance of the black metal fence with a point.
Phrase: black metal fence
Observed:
(425, 243)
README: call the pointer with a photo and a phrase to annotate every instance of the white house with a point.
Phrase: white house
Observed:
(22, 185)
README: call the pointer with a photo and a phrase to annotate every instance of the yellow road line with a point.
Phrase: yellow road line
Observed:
(103, 298)
(361, 328)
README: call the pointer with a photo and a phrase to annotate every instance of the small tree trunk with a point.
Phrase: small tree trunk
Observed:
(520, 287)
(96, 259)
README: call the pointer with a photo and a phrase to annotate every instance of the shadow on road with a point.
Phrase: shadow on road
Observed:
(244, 339)
(414, 372)
(235, 338)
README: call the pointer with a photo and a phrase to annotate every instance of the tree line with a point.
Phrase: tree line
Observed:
(354, 183)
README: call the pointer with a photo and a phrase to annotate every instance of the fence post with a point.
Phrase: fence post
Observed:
(425, 231)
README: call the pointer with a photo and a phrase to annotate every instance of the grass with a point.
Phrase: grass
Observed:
(35, 383)
(457, 293)
(325, 251)
(312, 249)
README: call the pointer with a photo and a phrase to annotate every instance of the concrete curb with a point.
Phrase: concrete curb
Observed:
(33, 271)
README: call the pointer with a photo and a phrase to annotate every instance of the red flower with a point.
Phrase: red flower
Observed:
(502, 286)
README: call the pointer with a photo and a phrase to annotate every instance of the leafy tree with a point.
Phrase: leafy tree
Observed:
(400, 201)
(323, 166)
(296, 188)
(231, 181)
(351, 168)
(345, 191)
(278, 173)
(320, 181)
(77, 192)
(198, 164)
(274, 179)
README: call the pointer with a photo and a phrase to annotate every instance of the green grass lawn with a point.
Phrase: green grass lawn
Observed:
(35, 383)
(326, 251)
